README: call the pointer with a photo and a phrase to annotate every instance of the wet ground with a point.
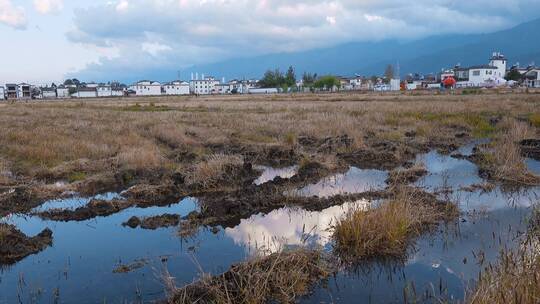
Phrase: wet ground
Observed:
(85, 255)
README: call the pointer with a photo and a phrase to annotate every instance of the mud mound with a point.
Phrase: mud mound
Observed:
(530, 148)
(93, 209)
(406, 176)
(15, 245)
(154, 222)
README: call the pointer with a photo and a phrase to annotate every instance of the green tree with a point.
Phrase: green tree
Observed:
(327, 82)
(290, 77)
(309, 78)
(272, 79)
(513, 74)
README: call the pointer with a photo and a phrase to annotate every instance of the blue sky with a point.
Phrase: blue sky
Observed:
(45, 40)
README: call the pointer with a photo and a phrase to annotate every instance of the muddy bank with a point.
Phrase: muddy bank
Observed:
(280, 278)
(406, 176)
(15, 245)
(530, 148)
(154, 222)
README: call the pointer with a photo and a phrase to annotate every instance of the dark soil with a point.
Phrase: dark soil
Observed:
(15, 245)
(405, 176)
(530, 148)
(154, 222)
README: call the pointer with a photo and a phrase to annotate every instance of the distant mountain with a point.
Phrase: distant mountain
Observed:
(429, 55)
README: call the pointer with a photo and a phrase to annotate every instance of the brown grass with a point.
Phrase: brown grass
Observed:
(387, 230)
(213, 169)
(35, 138)
(505, 159)
(280, 277)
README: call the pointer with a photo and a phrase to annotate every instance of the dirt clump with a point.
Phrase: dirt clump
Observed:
(530, 148)
(154, 222)
(406, 176)
(277, 278)
(93, 209)
(15, 245)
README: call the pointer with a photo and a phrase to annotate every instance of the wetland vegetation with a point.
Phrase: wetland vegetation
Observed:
(287, 198)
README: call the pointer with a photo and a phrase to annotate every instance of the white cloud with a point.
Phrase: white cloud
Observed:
(48, 6)
(13, 16)
(122, 6)
(154, 48)
(187, 32)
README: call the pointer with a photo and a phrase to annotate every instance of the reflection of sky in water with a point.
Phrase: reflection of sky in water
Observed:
(83, 255)
(75, 202)
(285, 227)
(445, 257)
(270, 173)
(353, 181)
(446, 171)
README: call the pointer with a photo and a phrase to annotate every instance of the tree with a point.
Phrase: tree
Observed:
(68, 82)
(514, 75)
(290, 77)
(327, 82)
(272, 79)
(308, 78)
(389, 72)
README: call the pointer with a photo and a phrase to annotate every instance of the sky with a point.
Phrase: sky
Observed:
(45, 41)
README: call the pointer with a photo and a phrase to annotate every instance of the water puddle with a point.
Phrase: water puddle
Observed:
(84, 254)
(270, 173)
(75, 202)
(533, 165)
(446, 172)
(353, 181)
(268, 233)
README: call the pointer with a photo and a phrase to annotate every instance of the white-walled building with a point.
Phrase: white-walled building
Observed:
(147, 88)
(117, 92)
(223, 88)
(24, 91)
(85, 93)
(176, 87)
(48, 93)
(203, 86)
(483, 75)
(2, 94)
(62, 92)
(532, 78)
(104, 90)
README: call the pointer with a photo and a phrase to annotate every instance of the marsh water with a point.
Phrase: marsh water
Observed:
(78, 268)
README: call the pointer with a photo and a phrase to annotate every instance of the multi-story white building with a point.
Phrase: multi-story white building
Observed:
(147, 88)
(483, 75)
(203, 86)
(2, 94)
(104, 90)
(24, 91)
(223, 88)
(176, 87)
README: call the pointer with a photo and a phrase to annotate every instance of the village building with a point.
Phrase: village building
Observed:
(104, 90)
(491, 74)
(147, 88)
(2, 94)
(532, 77)
(20, 91)
(62, 92)
(117, 91)
(223, 88)
(48, 93)
(203, 86)
(85, 92)
(176, 87)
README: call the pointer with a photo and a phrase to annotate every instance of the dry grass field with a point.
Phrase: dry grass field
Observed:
(92, 145)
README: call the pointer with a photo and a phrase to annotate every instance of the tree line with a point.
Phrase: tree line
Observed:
(285, 81)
